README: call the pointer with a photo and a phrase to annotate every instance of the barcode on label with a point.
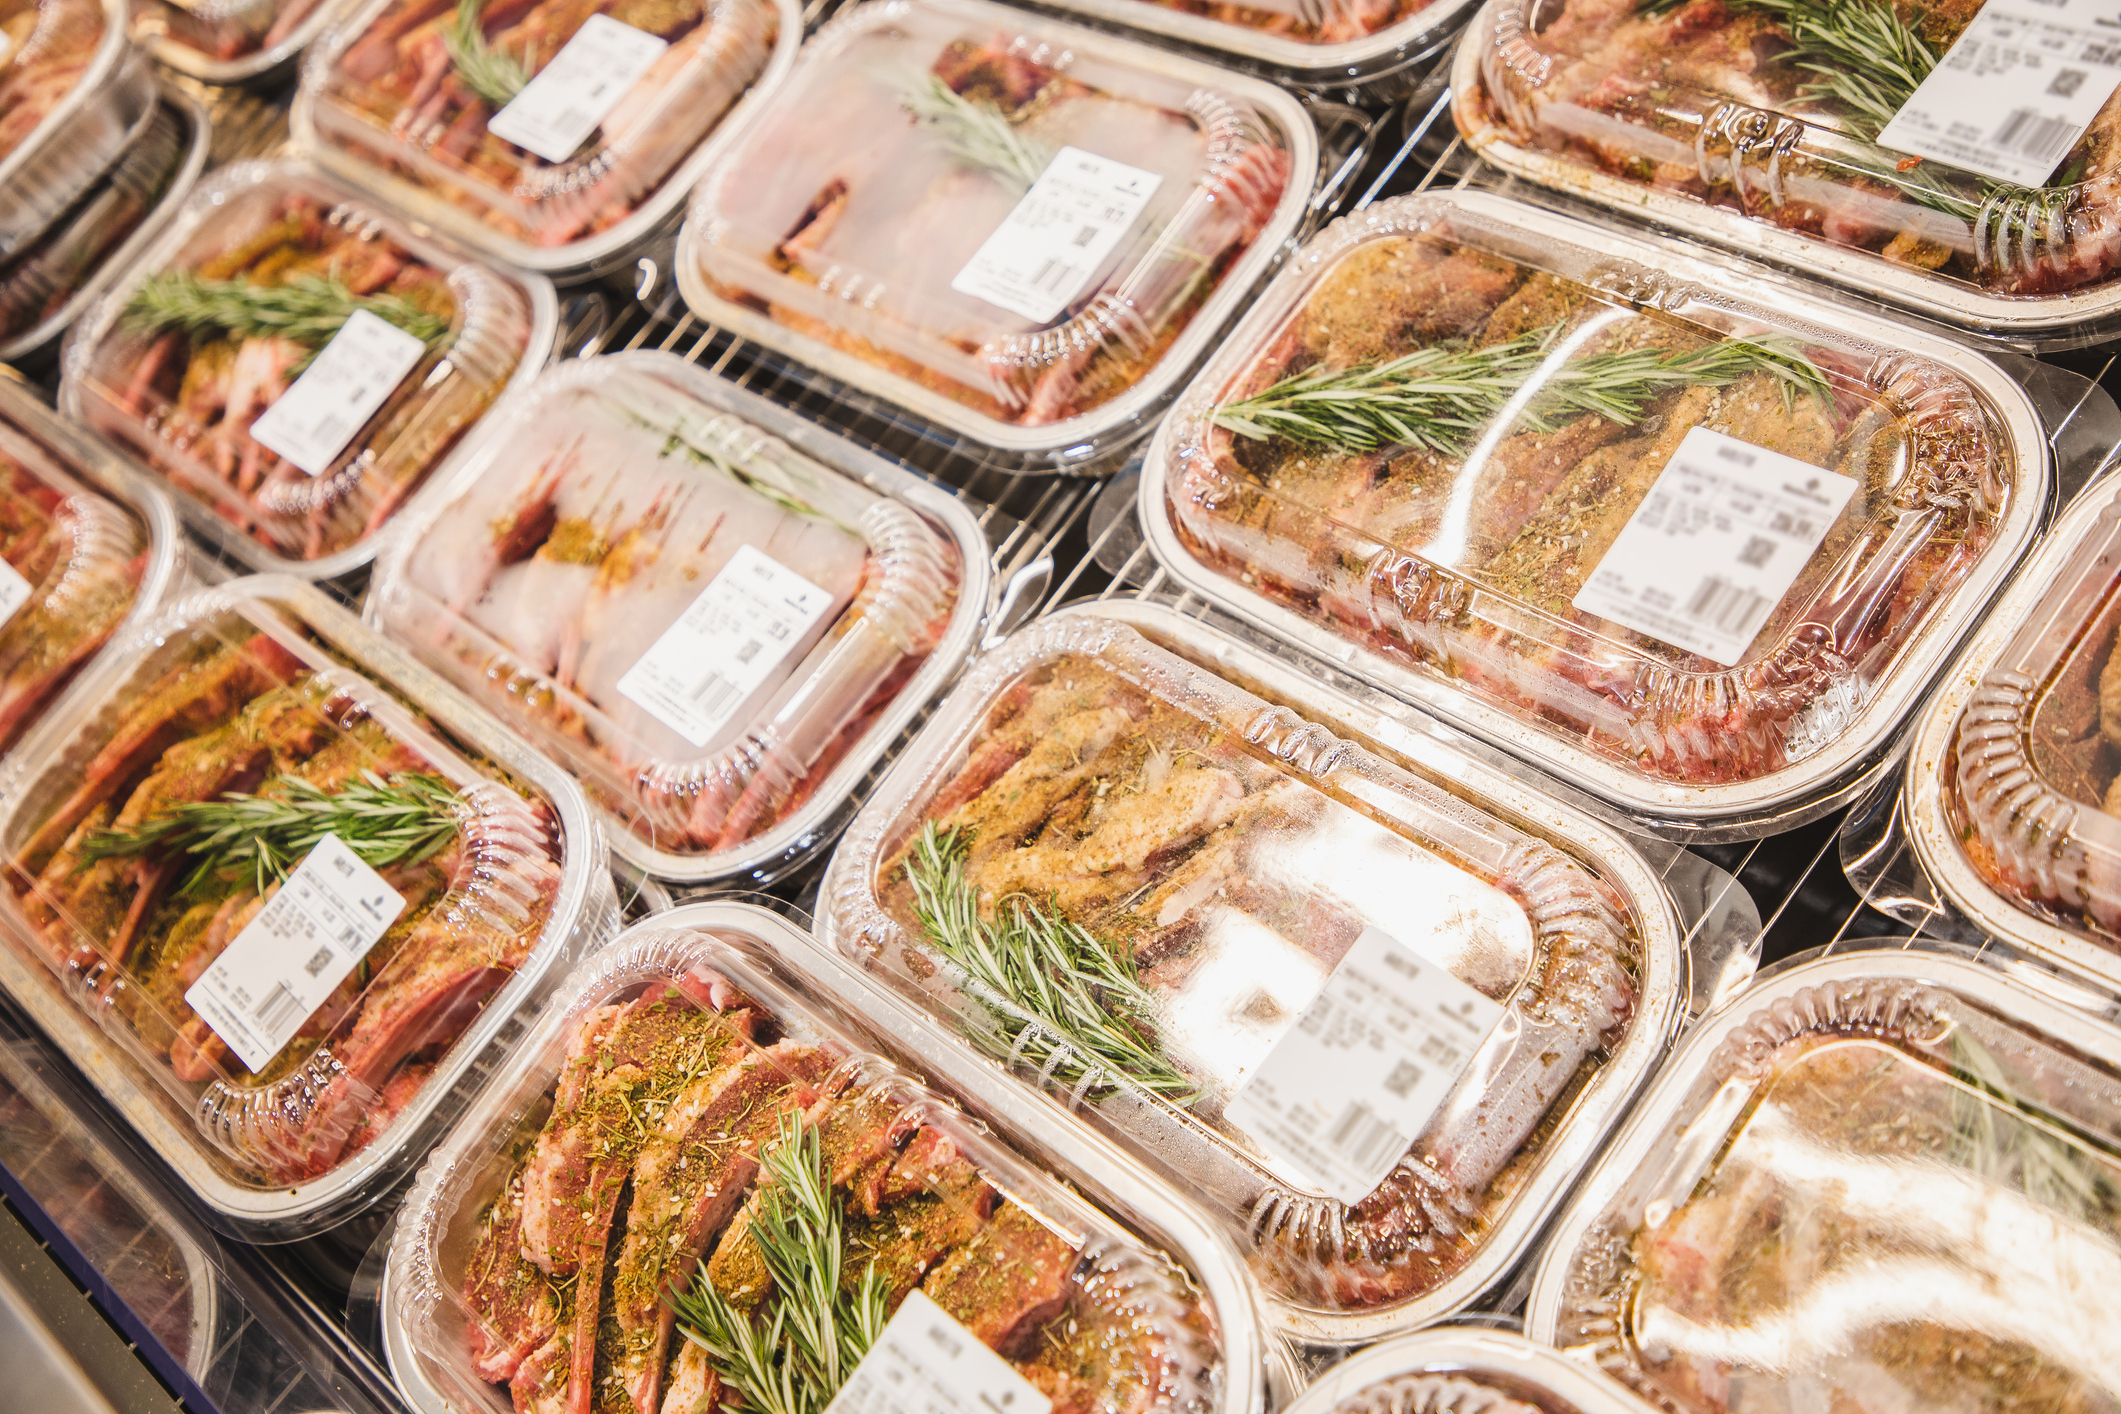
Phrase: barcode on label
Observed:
(1365, 1140)
(712, 692)
(2036, 135)
(279, 1007)
(1056, 275)
(1727, 606)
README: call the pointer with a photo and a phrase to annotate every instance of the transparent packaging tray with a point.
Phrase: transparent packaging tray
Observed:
(837, 226)
(95, 544)
(1213, 858)
(2007, 797)
(1880, 1179)
(1361, 49)
(1644, 109)
(1463, 1370)
(1079, 1298)
(185, 402)
(251, 688)
(592, 516)
(228, 41)
(1442, 559)
(397, 98)
(73, 96)
(47, 286)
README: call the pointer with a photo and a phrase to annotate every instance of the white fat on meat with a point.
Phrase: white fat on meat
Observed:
(533, 608)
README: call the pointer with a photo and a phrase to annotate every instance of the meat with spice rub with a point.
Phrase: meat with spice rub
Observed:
(222, 32)
(1397, 546)
(1334, 22)
(424, 81)
(46, 47)
(648, 1177)
(1232, 886)
(135, 918)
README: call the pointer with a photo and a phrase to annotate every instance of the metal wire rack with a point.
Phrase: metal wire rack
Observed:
(1054, 540)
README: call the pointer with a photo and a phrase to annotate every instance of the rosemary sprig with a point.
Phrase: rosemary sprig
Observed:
(1072, 1007)
(794, 1360)
(407, 818)
(1998, 1137)
(1439, 397)
(307, 310)
(978, 134)
(486, 71)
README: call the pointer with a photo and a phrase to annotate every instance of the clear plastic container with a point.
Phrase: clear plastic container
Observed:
(1201, 863)
(850, 211)
(1754, 124)
(228, 41)
(48, 285)
(1080, 1302)
(1883, 1179)
(398, 97)
(92, 549)
(257, 244)
(1363, 50)
(73, 96)
(1463, 1370)
(266, 690)
(2008, 797)
(1676, 439)
(605, 506)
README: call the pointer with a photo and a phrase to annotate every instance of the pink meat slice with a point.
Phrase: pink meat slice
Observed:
(517, 1311)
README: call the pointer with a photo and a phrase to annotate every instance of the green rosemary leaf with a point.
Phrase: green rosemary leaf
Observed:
(1439, 398)
(794, 1359)
(1998, 1136)
(1068, 1005)
(492, 75)
(260, 839)
(307, 310)
(978, 134)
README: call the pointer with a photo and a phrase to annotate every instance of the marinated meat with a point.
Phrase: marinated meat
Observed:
(837, 191)
(1773, 110)
(222, 32)
(675, 1103)
(1465, 555)
(46, 46)
(419, 86)
(1181, 843)
(1337, 22)
(140, 926)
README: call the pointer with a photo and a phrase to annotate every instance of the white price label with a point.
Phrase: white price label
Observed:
(1047, 249)
(287, 960)
(925, 1362)
(746, 621)
(312, 422)
(1349, 1088)
(6, 48)
(14, 591)
(2017, 90)
(559, 108)
(1715, 545)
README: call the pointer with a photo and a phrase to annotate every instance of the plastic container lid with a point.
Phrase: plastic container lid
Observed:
(90, 548)
(287, 1123)
(398, 97)
(1644, 108)
(1882, 1179)
(1463, 1370)
(1704, 570)
(767, 1083)
(2009, 791)
(884, 216)
(1209, 867)
(46, 286)
(585, 573)
(73, 95)
(227, 41)
(177, 363)
(1357, 47)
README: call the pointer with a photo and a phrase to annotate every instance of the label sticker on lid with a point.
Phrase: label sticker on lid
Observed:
(1045, 251)
(296, 952)
(2017, 90)
(1715, 545)
(14, 591)
(561, 106)
(1348, 1089)
(311, 423)
(926, 1362)
(721, 649)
